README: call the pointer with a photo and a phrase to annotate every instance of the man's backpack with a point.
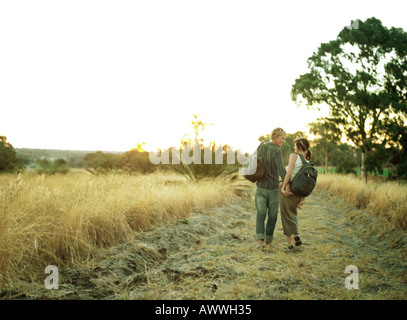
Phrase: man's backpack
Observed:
(305, 179)
(253, 170)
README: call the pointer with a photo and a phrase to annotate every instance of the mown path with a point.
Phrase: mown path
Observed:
(212, 255)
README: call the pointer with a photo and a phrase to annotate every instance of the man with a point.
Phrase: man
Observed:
(266, 200)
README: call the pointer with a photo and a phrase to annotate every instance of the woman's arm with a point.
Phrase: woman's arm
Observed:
(291, 162)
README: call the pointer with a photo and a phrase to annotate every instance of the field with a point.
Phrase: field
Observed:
(66, 219)
(385, 200)
(159, 236)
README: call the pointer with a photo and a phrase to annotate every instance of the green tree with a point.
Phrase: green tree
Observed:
(345, 161)
(51, 167)
(395, 136)
(137, 160)
(96, 160)
(8, 159)
(103, 160)
(361, 76)
(60, 166)
(327, 136)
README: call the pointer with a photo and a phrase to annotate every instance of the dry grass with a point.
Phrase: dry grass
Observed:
(207, 255)
(387, 200)
(215, 259)
(88, 226)
(66, 219)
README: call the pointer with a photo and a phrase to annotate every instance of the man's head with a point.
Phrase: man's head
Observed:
(278, 136)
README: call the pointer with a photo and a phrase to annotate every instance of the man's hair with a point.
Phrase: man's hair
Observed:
(277, 132)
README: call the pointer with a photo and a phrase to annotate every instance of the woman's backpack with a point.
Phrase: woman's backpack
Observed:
(305, 179)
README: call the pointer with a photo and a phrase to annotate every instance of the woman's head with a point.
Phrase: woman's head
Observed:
(303, 144)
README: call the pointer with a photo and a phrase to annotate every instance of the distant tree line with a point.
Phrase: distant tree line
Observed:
(30, 157)
(133, 161)
(138, 161)
(327, 149)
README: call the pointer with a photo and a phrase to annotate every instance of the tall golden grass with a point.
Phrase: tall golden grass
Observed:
(66, 219)
(387, 200)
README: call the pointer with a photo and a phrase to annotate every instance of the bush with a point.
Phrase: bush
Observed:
(8, 159)
(199, 171)
(50, 168)
(133, 161)
(137, 161)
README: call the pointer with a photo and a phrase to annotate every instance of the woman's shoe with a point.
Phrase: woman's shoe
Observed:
(290, 247)
(297, 240)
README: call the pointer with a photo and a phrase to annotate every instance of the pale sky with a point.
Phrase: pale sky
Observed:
(106, 75)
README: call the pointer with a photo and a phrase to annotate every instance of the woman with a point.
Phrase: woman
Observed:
(290, 204)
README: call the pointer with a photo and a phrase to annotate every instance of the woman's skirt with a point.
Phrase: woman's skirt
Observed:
(288, 209)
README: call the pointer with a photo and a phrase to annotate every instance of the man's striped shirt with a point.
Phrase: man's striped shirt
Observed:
(274, 167)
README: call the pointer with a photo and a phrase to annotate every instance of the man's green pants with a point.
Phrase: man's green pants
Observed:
(266, 202)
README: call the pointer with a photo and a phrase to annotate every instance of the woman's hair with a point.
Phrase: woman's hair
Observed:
(303, 144)
(277, 132)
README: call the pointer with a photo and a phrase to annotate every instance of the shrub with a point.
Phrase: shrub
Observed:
(8, 159)
(202, 170)
(49, 168)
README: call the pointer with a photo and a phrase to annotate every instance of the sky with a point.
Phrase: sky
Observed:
(107, 75)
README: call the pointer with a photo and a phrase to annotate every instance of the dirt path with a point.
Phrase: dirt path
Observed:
(212, 255)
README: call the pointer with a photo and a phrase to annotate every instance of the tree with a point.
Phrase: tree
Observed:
(100, 159)
(137, 160)
(361, 76)
(327, 136)
(8, 159)
(201, 170)
(394, 133)
(47, 167)
(345, 161)
(198, 126)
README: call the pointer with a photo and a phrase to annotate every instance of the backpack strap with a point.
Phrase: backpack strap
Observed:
(302, 158)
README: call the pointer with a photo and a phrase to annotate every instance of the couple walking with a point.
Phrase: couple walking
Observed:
(269, 193)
